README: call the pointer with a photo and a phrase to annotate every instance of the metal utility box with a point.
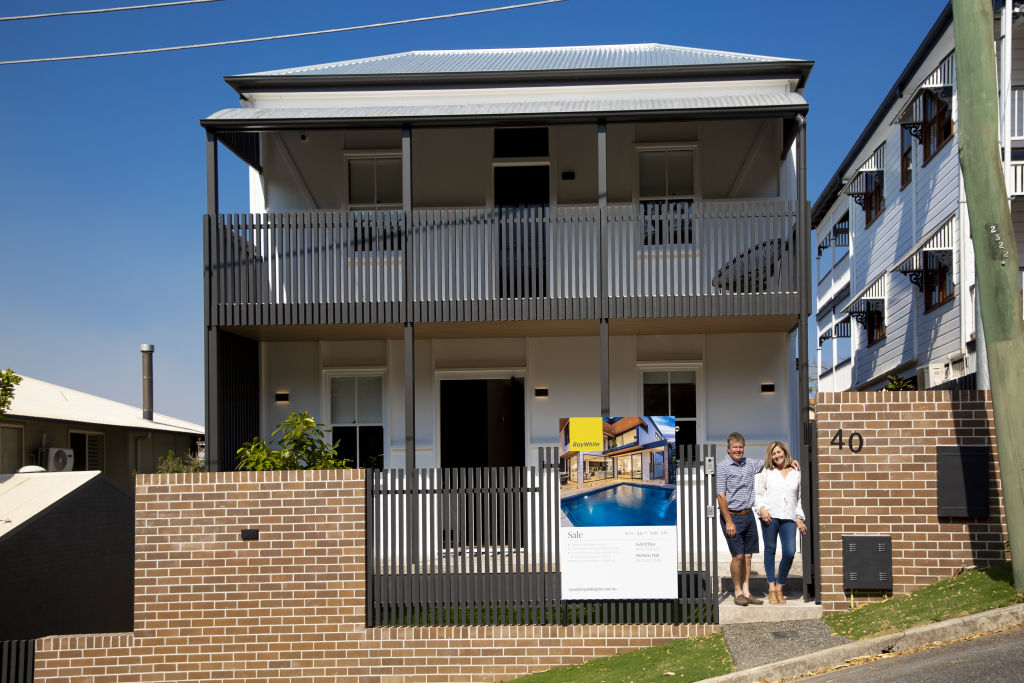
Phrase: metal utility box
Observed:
(867, 562)
(963, 481)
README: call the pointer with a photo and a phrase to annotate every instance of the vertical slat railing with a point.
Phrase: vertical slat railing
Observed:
(17, 661)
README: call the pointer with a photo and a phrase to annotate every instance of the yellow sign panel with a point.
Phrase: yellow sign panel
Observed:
(586, 434)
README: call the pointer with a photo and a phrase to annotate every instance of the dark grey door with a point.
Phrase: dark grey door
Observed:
(521, 198)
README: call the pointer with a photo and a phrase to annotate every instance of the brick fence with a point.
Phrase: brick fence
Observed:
(888, 488)
(290, 606)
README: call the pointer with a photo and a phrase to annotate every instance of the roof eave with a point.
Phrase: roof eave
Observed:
(266, 125)
(796, 69)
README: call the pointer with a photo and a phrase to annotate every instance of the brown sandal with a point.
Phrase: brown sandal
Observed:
(780, 598)
(773, 597)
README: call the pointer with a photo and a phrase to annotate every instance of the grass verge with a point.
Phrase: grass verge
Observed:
(973, 591)
(691, 659)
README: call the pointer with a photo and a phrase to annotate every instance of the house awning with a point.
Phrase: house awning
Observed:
(874, 164)
(940, 81)
(938, 238)
(868, 301)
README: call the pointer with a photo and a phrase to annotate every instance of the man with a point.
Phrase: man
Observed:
(735, 494)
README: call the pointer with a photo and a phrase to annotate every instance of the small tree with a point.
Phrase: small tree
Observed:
(176, 464)
(8, 380)
(302, 447)
(897, 383)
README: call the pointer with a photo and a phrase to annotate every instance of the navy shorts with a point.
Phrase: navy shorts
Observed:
(745, 541)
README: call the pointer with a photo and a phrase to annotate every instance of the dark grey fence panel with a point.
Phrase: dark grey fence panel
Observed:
(463, 546)
(481, 546)
(17, 661)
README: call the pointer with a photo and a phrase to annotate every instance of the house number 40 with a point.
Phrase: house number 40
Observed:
(854, 443)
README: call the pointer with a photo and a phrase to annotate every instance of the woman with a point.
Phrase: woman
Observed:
(777, 501)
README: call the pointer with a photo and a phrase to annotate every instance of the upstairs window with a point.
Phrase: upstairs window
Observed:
(938, 124)
(874, 323)
(841, 332)
(841, 238)
(824, 256)
(906, 156)
(666, 191)
(874, 200)
(520, 142)
(825, 347)
(375, 183)
(938, 278)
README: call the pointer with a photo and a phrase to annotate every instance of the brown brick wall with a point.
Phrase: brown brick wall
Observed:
(889, 487)
(290, 606)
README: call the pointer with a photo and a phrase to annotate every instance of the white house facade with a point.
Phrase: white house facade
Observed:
(449, 251)
(893, 257)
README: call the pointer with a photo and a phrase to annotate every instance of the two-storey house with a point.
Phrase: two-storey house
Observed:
(448, 251)
(893, 256)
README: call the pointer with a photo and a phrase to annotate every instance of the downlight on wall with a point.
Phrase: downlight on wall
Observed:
(540, 392)
(767, 388)
(281, 397)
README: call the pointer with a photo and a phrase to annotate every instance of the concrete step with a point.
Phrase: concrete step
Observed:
(794, 609)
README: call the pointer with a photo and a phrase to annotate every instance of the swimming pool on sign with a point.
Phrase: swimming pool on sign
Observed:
(623, 505)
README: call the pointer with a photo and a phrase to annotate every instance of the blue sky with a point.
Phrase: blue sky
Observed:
(102, 180)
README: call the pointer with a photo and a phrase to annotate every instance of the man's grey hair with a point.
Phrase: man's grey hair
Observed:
(735, 437)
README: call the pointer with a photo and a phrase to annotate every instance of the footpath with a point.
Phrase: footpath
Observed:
(778, 642)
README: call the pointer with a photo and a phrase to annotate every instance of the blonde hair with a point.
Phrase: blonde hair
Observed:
(768, 463)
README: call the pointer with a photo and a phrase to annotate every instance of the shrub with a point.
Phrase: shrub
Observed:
(302, 447)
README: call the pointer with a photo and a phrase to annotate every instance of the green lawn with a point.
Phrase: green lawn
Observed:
(692, 659)
(973, 591)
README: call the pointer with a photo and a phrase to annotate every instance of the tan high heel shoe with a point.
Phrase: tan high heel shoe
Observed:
(779, 597)
(773, 595)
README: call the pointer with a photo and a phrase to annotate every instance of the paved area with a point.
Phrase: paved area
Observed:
(795, 608)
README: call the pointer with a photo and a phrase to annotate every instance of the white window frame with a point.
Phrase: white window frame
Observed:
(639, 149)
(700, 398)
(325, 403)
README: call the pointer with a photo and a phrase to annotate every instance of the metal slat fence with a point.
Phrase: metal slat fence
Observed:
(472, 546)
(17, 661)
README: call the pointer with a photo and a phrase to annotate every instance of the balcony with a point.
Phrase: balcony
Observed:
(1016, 180)
(712, 258)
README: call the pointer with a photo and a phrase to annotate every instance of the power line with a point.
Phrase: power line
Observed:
(280, 37)
(108, 9)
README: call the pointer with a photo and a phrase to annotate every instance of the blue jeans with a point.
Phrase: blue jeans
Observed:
(786, 530)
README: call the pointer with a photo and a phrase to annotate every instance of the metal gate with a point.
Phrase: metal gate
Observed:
(480, 546)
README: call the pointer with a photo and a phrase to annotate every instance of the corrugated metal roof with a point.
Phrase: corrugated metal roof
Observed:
(526, 59)
(38, 399)
(580, 105)
(23, 496)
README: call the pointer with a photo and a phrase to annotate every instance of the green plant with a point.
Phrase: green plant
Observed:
(8, 380)
(302, 447)
(175, 464)
(896, 383)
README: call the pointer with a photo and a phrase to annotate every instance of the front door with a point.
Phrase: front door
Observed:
(482, 423)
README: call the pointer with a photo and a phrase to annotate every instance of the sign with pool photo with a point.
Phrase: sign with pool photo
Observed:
(617, 508)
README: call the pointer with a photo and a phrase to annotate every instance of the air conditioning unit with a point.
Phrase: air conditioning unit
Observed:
(57, 459)
(932, 374)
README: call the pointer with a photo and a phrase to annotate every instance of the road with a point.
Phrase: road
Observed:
(995, 657)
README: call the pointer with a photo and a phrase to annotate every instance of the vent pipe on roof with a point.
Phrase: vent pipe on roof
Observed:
(147, 381)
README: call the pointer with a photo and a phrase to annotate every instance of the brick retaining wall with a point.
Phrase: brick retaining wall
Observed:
(889, 487)
(291, 605)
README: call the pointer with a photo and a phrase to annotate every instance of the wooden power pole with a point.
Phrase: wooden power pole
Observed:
(995, 252)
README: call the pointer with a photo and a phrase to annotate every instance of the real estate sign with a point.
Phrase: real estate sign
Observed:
(618, 508)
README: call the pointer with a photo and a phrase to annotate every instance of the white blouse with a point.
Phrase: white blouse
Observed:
(780, 495)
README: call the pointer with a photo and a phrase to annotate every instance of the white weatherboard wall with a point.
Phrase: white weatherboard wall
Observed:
(730, 370)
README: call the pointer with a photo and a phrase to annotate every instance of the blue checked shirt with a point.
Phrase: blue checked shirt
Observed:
(736, 481)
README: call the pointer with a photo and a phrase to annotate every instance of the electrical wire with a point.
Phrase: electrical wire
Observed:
(107, 9)
(283, 36)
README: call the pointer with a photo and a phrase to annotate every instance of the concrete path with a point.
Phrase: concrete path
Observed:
(776, 645)
(795, 608)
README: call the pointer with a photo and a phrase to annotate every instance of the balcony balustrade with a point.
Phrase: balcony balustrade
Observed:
(676, 258)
